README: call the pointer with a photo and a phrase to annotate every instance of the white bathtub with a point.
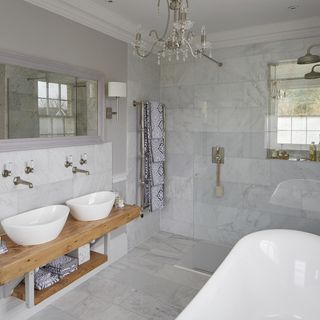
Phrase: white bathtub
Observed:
(273, 274)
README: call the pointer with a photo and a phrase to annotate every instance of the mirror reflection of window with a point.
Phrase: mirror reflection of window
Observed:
(56, 117)
(35, 103)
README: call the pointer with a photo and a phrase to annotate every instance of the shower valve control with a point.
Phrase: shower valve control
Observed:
(218, 155)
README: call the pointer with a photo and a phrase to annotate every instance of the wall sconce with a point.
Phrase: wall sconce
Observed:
(115, 90)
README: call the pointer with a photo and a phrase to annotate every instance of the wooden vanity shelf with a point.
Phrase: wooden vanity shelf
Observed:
(96, 260)
(19, 260)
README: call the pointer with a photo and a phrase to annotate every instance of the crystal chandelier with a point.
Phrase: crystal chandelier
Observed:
(176, 43)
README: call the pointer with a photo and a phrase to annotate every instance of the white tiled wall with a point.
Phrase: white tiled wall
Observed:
(208, 106)
(53, 183)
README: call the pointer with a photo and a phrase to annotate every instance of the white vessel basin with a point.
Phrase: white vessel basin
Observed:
(94, 206)
(36, 226)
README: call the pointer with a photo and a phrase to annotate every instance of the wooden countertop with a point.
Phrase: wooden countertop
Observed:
(20, 260)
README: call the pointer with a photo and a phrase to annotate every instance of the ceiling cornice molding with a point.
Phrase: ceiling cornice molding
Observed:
(306, 28)
(90, 14)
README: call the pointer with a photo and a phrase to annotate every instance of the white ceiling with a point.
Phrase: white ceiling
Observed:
(217, 15)
(228, 22)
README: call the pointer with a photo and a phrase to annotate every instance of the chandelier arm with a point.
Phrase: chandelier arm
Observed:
(198, 52)
(220, 64)
(146, 54)
(159, 39)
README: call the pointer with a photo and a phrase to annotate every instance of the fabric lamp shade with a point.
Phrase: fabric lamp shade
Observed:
(117, 89)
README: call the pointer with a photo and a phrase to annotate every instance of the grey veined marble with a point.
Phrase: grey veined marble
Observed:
(210, 106)
(144, 285)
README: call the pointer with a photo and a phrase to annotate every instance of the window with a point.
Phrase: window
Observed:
(55, 109)
(294, 115)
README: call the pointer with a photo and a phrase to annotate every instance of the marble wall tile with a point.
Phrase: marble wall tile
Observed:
(54, 193)
(177, 226)
(179, 210)
(53, 183)
(179, 142)
(230, 105)
(179, 165)
(180, 188)
(8, 205)
(142, 229)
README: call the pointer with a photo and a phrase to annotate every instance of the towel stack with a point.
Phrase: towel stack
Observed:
(44, 279)
(54, 271)
(62, 266)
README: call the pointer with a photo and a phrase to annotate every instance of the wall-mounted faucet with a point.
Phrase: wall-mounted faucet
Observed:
(18, 180)
(29, 167)
(76, 170)
(7, 170)
(68, 162)
(84, 159)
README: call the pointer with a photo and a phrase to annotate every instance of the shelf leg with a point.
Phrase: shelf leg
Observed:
(107, 244)
(29, 289)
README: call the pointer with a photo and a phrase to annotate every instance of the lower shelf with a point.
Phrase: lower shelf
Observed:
(96, 260)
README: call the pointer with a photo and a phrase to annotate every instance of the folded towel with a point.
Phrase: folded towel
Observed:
(157, 173)
(157, 194)
(62, 266)
(44, 279)
(157, 120)
(158, 150)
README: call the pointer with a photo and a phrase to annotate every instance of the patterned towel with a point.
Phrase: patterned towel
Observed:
(157, 173)
(154, 151)
(158, 150)
(62, 266)
(44, 279)
(157, 120)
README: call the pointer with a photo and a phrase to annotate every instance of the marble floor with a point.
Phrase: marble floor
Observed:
(143, 285)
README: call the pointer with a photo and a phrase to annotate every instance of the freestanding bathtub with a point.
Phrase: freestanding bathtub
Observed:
(272, 274)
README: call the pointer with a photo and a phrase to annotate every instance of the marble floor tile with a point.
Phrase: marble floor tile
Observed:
(52, 313)
(116, 312)
(143, 285)
(150, 307)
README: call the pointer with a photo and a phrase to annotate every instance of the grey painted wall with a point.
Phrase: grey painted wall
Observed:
(226, 106)
(27, 29)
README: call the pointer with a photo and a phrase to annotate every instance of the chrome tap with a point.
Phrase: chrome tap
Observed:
(18, 180)
(76, 170)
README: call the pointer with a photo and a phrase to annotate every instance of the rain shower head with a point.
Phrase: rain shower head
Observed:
(309, 57)
(313, 74)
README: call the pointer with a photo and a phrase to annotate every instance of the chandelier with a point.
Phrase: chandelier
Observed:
(176, 43)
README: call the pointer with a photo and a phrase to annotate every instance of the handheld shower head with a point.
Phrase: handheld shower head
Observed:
(313, 74)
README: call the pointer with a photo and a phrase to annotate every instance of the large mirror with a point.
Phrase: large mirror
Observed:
(43, 105)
